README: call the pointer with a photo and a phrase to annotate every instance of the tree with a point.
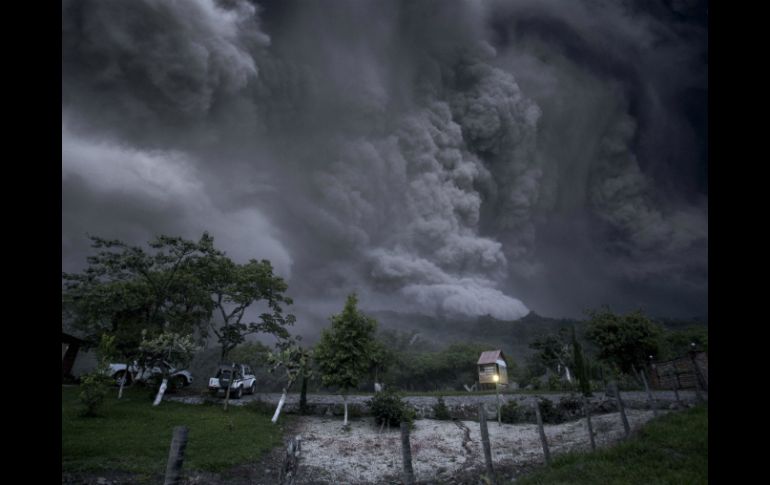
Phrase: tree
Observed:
(553, 352)
(293, 359)
(94, 385)
(235, 288)
(581, 369)
(344, 351)
(138, 294)
(624, 341)
(676, 343)
(126, 290)
(381, 358)
(166, 351)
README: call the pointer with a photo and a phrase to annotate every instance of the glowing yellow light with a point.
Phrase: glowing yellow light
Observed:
(496, 378)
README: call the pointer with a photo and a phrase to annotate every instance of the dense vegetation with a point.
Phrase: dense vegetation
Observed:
(176, 296)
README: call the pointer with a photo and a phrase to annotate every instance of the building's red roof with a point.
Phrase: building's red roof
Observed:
(490, 357)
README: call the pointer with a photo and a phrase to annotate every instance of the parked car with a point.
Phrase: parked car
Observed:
(239, 377)
(177, 378)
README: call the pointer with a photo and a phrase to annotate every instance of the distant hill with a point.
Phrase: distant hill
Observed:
(513, 337)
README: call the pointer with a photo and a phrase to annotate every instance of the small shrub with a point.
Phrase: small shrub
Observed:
(440, 411)
(570, 404)
(95, 385)
(549, 412)
(569, 408)
(93, 389)
(510, 412)
(387, 407)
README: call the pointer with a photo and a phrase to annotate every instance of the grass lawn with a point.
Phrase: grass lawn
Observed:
(131, 435)
(672, 449)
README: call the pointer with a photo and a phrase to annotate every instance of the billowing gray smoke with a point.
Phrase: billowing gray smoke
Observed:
(455, 158)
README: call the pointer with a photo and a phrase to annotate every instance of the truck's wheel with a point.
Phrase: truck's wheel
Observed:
(178, 382)
(236, 394)
(253, 388)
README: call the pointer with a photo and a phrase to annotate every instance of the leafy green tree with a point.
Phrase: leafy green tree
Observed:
(676, 343)
(381, 358)
(623, 341)
(176, 286)
(234, 288)
(580, 366)
(126, 290)
(166, 351)
(344, 351)
(254, 354)
(553, 352)
(293, 359)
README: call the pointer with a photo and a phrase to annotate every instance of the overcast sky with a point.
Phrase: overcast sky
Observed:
(455, 158)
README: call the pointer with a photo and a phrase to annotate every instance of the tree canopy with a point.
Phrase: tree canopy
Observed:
(625, 341)
(234, 288)
(188, 288)
(344, 351)
(128, 289)
(553, 351)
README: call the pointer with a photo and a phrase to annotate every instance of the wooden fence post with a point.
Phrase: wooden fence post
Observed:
(587, 412)
(406, 453)
(700, 381)
(698, 394)
(539, 417)
(675, 384)
(176, 456)
(649, 395)
(485, 441)
(622, 410)
(288, 475)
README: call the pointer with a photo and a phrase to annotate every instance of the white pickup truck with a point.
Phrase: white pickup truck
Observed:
(243, 380)
(177, 378)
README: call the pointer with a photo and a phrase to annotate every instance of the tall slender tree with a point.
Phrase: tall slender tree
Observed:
(344, 351)
(581, 369)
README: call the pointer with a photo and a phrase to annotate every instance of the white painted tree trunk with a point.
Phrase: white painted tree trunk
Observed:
(345, 403)
(122, 383)
(569, 377)
(280, 405)
(161, 391)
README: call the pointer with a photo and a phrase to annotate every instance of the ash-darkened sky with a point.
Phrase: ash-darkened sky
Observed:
(454, 158)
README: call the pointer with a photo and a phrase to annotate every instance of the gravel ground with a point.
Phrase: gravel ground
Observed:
(441, 450)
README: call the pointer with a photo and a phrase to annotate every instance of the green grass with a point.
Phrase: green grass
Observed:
(133, 436)
(672, 449)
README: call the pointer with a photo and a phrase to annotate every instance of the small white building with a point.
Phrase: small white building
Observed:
(493, 368)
